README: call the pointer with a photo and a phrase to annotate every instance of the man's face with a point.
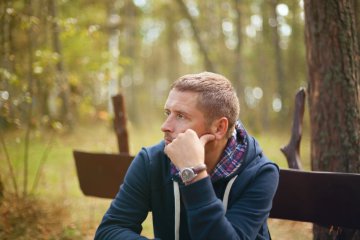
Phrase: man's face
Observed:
(182, 113)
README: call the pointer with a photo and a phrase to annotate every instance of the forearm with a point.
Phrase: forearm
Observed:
(114, 233)
(119, 222)
(130, 207)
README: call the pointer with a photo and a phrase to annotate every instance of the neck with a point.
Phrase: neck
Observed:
(213, 153)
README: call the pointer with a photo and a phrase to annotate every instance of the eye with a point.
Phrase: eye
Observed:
(180, 116)
(166, 113)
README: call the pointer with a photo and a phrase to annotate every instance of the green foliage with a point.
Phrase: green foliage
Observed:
(154, 47)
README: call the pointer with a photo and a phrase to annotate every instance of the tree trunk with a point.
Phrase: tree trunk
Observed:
(129, 47)
(278, 54)
(172, 58)
(1, 190)
(61, 78)
(30, 93)
(209, 65)
(333, 68)
(113, 48)
(357, 18)
(238, 68)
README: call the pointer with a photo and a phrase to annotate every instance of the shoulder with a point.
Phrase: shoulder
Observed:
(148, 168)
(148, 156)
(154, 151)
(257, 167)
(255, 158)
(153, 156)
(261, 166)
(155, 164)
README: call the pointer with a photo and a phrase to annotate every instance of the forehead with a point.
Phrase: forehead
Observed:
(182, 100)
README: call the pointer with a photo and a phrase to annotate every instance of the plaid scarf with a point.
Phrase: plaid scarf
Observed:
(231, 159)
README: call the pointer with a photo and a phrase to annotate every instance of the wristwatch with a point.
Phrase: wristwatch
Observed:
(189, 173)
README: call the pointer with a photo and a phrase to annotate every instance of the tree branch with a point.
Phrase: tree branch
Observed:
(292, 149)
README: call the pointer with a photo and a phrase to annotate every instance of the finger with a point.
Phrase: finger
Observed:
(204, 139)
(166, 149)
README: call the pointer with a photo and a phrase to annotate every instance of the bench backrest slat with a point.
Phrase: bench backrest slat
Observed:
(319, 197)
(101, 174)
(325, 198)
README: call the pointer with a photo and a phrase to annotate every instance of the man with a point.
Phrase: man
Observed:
(208, 179)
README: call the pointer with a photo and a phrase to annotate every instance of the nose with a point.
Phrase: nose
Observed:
(167, 126)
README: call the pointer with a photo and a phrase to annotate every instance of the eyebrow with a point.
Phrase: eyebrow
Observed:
(178, 111)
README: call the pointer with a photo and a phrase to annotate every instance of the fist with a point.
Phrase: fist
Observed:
(187, 149)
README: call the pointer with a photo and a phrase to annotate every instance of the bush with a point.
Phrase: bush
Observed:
(34, 218)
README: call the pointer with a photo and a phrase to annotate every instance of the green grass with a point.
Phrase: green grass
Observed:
(59, 180)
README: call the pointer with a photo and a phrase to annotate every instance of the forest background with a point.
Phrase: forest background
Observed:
(62, 60)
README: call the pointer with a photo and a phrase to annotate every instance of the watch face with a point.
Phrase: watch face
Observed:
(187, 174)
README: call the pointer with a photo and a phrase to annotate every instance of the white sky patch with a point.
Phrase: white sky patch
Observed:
(256, 21)
(186, 52)
(282, 9)
(285, 30)
(193, 9)
(277, 104)
(257, 92)
(4, 95)
(140, 3)
(227, 27)
(253, 96)
(151, 30)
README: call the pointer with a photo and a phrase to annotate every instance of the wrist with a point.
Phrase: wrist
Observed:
(198, 177)
(191, 174)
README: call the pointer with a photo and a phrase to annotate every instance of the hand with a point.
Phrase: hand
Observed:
(187, 149)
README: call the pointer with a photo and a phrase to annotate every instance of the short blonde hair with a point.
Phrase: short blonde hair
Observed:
(217, 97)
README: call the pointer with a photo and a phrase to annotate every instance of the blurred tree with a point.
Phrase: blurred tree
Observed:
(171, 38)
(209, 65)
(334, 93)
(6, 47)
(61, 80)
(130, 45)
(357, 18)
(263, 67)
(238, 68)
(29, 94)
(1, 190)
(279, 63)
(294, 57)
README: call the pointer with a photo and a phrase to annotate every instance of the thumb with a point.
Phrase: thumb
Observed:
(204, 139)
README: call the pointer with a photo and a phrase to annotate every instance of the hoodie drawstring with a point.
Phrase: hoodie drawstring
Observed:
(177, 209)
(177, 202)
(227, 192)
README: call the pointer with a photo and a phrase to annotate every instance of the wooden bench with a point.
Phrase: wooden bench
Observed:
(324, 198)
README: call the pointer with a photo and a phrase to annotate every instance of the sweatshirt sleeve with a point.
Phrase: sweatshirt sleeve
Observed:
(248, 209)
(130, 207)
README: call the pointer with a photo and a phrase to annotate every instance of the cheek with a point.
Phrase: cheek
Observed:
(200, 129)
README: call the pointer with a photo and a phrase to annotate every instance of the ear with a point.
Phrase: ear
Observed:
(220, 127)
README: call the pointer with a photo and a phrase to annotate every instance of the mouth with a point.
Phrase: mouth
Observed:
(168, 140)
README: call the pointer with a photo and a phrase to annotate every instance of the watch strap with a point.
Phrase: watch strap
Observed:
(199, 168)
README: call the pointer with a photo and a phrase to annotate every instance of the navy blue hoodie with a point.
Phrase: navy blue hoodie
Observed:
(148, 187)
